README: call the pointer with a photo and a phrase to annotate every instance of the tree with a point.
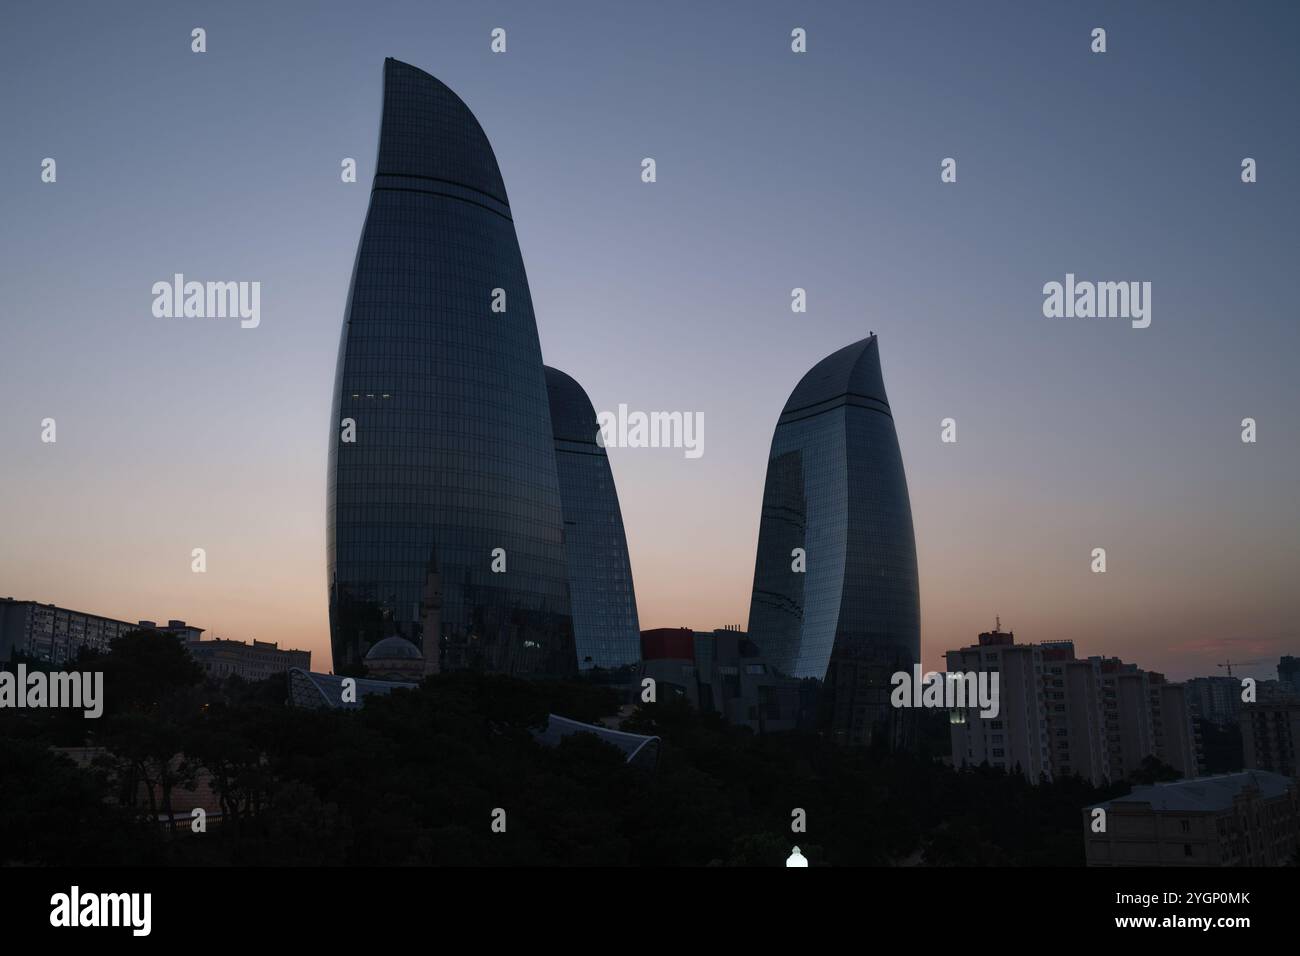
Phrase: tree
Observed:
(1153, 770)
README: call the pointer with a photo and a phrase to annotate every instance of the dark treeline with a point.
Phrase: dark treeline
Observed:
(413, 778)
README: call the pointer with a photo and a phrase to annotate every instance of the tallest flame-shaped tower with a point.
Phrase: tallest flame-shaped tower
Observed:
(442, 469)
(836, 601)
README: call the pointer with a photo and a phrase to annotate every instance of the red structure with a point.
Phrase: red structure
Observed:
(668, 644)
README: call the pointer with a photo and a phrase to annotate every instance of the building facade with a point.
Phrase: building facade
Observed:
(1270, 735)
(835, 596)
(1173, 727)
(252, 662)
(1129, 731)
(1216, 699)
(1288, 672)
(444, 519)
(721, 672)
(605, 628)
(1097, 718)
(1076, 719)
(1016, 739)
(1240, 819)
(54, 634)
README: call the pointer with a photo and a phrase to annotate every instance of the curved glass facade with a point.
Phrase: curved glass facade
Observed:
(605, 625)
(451, 456)
(836, 489)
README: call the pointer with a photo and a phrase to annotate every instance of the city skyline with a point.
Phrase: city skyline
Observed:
(820, 173)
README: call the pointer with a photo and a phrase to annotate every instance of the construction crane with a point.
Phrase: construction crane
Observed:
(1228, 665)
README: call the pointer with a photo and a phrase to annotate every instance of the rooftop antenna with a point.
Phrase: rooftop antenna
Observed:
(997, 624)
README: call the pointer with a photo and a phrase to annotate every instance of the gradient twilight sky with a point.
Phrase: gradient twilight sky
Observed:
(775, 170)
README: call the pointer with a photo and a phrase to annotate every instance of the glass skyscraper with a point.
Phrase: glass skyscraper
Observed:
(444, 518)
(605, 624)
(836, 599)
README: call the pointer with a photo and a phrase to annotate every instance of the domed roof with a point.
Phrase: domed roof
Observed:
(394, 648)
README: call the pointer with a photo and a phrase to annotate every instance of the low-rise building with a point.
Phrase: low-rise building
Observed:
(253, 662)
(1239, 819)
(55, 634)
(721, 671)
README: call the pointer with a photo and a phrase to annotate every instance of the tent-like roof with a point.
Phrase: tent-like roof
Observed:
(314, 691)
(642, 751)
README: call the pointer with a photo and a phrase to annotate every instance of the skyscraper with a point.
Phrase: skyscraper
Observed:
(605, 627)
(443, 501)
(835, 597)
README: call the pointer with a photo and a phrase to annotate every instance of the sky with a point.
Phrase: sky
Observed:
(775, 170)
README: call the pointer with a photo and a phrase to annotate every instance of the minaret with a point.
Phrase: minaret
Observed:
(431, 618)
